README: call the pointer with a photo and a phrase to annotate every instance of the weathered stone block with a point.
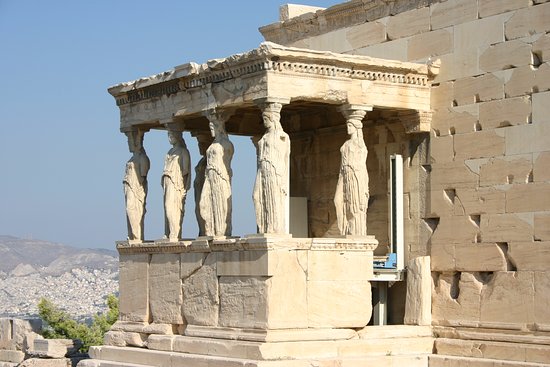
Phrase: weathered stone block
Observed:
(480, 201)
(505, 112)
(366, 34)
(441, 149)
(506, 55)
(165, 289)
(338, 265)
(289, 11)
(492, 7)
(541, 48)
(124, 338)
(541, 172)
(530, 197)
(455, 120)
(55, 348)
(506, 170)
(13, 356)
(532, 256)
(453, 175)
(442, 96)
(19, 334)
(430, 44)
(442, 257)
(479, 257)
(408, 23)
(453, 230)
(456, 299)
(541, 108)
(190, 263)
(418, 305)
(396, 49)
(452, 12)
(482, 88)
(522, 81)
(527, 21)
(335, 41)
(542, 297)
(527, 139)
(39, 362)
(506, 227)
(200, 295)
(542, 226)
(134, 287)
(243, 302)
(479, 144)
(338, 304)
(508, 299)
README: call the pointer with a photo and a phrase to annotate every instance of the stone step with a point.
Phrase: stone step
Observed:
(140, 357)
(520, 352)
(291, 350)
(456, 361)
(8, 364)
(386, 361)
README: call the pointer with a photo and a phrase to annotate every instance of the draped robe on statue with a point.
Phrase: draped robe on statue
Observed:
(271, 186)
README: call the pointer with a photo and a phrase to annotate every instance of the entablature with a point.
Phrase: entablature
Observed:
(273, 71)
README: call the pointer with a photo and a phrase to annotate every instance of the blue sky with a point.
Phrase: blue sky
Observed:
(62, 156)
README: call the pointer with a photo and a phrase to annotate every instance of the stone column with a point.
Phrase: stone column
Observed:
(135, 185)
(204, 140)
(352, 190)
(271, 189)
(176, 182)
(215, 201)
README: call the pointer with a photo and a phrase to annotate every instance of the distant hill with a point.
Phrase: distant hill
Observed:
(50, 258)
(77, 280)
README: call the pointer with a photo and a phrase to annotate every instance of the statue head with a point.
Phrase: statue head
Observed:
(175, 138)
(271, 115)
(217, 127)
(135, 140)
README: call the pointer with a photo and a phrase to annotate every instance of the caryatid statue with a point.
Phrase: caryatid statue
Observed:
(204, 140)
(271, 189)
(352, 190)
(215, 202)
(176, 182)
(135, 185)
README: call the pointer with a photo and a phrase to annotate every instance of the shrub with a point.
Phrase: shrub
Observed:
(60, 325)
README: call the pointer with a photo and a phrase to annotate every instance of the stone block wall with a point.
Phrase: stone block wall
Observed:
(248, 283)
(486, 203)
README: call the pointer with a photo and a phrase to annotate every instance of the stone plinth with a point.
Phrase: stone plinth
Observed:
(258, 282)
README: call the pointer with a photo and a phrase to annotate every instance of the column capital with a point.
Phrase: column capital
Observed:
(134, 129)
(218, 114)
(262, 102)
(354, 111)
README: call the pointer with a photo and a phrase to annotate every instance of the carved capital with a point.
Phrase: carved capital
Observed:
(416, 121)
(218, 115)
(354, 112)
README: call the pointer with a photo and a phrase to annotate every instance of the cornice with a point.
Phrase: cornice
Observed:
(270, 58)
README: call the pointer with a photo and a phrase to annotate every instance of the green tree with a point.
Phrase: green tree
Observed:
(59, 324)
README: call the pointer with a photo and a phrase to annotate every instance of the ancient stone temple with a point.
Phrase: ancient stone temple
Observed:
(402, 195)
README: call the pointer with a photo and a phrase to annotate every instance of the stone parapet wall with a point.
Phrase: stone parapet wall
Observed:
(260, 283)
